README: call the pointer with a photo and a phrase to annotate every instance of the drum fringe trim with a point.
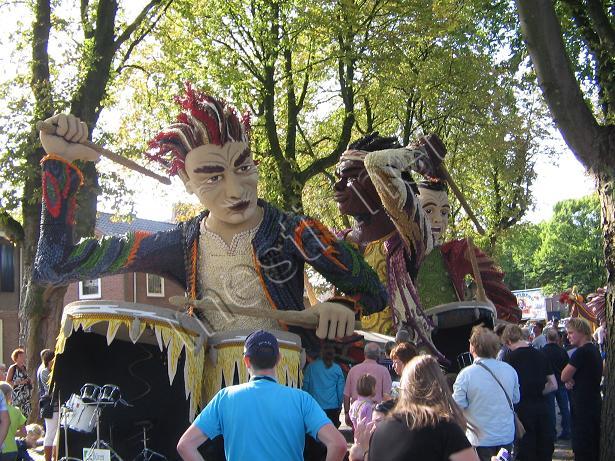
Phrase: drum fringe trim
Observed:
(230, 362)
(169, 337)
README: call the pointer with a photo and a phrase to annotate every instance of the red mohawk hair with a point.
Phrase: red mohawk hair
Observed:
(203, 119)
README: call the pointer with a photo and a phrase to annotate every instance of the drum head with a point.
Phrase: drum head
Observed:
(109, 393)
(90, 393)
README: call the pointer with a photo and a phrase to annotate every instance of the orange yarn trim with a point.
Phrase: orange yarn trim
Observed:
(139, 236)
(66, 162)
(356, 307)
(326, 237)
(193, 269)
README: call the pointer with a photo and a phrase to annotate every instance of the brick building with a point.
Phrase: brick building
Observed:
(130, 287)
(10, 285)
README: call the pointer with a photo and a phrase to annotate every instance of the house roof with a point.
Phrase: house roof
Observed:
(106, 224)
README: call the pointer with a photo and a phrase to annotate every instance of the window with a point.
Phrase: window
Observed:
(7, 268)
(89, 289)
(155, 286)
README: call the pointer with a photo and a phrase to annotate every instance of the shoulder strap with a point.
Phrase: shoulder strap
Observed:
(482, 365)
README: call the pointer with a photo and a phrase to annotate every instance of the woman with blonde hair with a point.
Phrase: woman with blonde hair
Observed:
(426, 423)
(582, 376)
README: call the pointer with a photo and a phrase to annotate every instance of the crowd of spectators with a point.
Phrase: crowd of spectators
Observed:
(517, 374)
(398, 403)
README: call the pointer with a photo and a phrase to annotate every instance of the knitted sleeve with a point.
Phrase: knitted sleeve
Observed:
(385, 169)
(339, 263)
(60, 261)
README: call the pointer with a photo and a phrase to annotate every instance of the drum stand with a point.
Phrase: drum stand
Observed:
(147, 454)
(63, 421)
(100, 443)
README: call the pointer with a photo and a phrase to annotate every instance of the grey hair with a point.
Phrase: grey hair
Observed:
(551, 334)
(403, 336)
(372, 351)
(6, 388)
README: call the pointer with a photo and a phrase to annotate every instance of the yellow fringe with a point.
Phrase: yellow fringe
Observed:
(173, 338)
(230, 358)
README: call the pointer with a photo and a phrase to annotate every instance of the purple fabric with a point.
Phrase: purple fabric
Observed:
(399, 279)
(361, 409)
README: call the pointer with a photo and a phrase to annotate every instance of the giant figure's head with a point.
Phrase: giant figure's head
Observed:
(433, 196)
(209, 149)
(355, 193)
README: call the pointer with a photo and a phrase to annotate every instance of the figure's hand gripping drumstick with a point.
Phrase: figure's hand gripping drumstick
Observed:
(307, 318)
(50, 128)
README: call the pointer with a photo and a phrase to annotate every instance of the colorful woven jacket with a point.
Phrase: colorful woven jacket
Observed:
(281, 246)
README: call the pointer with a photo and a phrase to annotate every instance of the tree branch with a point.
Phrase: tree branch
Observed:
(138, 40)
(323, 163)
(252, 68)
(85, 19)
(135, 24)
(602, 26)
(543, 36)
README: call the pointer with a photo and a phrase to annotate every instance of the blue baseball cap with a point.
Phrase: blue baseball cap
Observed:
(261, 343)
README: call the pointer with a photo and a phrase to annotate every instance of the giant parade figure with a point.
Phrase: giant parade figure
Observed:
(399, 228)
(240, 253)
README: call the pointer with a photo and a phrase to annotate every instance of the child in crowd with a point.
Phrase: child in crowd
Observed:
(363, 406)
(32, 440)
(364, 429)
(9, 449)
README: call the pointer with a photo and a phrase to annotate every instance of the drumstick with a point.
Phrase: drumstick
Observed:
(50, 128)
(480, 289)
(304, 318)
(462, 199)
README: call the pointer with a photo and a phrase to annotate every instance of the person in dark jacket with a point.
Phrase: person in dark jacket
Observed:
(582, 375)
(558, 359)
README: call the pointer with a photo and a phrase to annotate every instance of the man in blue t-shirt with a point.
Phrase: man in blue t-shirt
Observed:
(261, 419)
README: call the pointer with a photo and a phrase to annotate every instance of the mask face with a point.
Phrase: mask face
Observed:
(224, 178)
(355, 193)
(437, 209)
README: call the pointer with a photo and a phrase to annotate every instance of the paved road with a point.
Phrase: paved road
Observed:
(562, 451)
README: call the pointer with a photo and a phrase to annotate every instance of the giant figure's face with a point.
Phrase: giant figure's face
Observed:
(436, 206)
(355, 193)
(224, 178)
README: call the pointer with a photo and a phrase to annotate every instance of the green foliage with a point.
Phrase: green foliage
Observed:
(515, 254)
(27, 99)
(565, 251)
(305, 70)
(571, 251)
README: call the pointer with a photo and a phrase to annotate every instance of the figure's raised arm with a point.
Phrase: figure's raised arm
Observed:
(59, 260)
(389, 171)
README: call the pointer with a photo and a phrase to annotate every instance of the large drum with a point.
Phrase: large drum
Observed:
(224, 362)
(154, 355)
(453, 324)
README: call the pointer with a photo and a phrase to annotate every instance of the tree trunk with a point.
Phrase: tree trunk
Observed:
(591, 143)
(40, 309)
(606, 190)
